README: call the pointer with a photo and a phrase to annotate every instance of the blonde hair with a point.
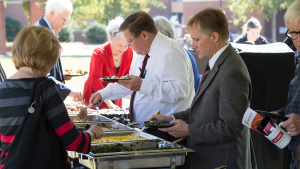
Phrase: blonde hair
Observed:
(252, 23)
(292, 13)
(211, 20)
(36, 47)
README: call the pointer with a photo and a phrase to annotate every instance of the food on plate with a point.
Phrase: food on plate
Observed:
(77, 71)
(154, 123)
(116, 77)
(117, 138)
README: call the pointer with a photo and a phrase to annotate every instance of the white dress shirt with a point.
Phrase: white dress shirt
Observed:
(215, 57)
(168, 85)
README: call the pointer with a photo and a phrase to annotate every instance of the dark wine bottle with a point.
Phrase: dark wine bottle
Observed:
(266, 126)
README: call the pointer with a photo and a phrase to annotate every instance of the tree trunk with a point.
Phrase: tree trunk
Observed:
(273, 27)
(3, 29)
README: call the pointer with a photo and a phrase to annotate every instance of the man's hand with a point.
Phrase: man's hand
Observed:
(134, 84)
(181, 129)
(292, 124)
(95, 98)
(160, 117)
(77, 96)
(67, 77)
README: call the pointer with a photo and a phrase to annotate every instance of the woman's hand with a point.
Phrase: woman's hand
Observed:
(98, 130)
(111, 105)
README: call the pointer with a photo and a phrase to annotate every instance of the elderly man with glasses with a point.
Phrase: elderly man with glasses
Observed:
(161, 77)
(292, 110)
(292, 39)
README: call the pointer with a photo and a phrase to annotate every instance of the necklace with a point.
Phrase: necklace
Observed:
(116, 58)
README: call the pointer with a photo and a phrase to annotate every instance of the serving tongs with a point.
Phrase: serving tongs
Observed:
(158, 112)
(130, 124)
(84, 108)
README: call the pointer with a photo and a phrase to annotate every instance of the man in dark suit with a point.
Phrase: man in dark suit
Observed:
(213, 123)
(57, 13)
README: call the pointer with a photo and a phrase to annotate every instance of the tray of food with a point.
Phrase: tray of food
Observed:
(118, 136)
(140, 154)
(90, 118)
(75, 110)
(106, 126)
(140, 146)
(114, 78)
(75, 72)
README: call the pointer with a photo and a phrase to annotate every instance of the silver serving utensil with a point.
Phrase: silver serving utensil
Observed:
(130, 124)
(177, 140)
(97, 109)
(93, 105)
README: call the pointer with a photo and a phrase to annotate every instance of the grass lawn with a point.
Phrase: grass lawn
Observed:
(71, 62)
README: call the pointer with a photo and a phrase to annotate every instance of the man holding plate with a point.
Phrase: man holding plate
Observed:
(161, 76)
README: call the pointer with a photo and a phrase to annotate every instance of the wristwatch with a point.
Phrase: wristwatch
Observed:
(94, 133)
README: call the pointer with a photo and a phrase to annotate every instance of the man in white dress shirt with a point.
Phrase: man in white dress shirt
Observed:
(168, 83)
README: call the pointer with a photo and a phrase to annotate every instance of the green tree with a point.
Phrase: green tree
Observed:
(66, 34)
(96, 33)
(239, 8)
(13, 27)
(101, 11)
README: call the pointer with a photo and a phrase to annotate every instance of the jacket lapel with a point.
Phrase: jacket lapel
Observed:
(213, 72)
(42, 22)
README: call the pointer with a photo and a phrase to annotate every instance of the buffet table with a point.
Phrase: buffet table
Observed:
(153, 152)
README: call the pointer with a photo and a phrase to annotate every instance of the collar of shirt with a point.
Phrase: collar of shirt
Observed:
(215, 57)
(50, 27)
(154, 44)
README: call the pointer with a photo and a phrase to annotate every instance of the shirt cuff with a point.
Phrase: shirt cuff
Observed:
(104, 93)
(146, 87)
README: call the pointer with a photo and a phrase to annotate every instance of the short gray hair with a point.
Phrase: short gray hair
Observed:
(58, 6)
(112, 30)
(164, 26)
(292, 13)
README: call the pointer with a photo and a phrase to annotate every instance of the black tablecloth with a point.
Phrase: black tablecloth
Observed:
(271, 68)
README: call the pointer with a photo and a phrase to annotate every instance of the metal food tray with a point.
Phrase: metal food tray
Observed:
(140, 146)
(136, 159)
(89, 118)
(112, 126)
(125, 133)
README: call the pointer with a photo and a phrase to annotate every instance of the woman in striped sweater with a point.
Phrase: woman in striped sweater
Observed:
(2, 74)
(34, 52)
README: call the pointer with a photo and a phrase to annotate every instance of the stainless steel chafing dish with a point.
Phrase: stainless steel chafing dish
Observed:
(141, 157)
(112, 125)
(90, 118)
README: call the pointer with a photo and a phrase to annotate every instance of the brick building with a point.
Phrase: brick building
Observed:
(183, 9)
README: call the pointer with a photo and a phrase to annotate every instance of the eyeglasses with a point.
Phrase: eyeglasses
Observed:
(133, 39)
(292, 35)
